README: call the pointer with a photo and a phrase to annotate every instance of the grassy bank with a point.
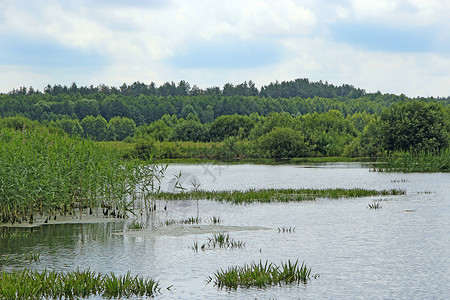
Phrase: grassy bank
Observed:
(31, 284)
(44, 172)
(272, 195)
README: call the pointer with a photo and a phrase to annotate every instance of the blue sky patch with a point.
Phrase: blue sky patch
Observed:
(23, 51)
(383, 38)
(229, 54)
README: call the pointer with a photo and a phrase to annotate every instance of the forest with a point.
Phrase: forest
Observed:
(290, 119)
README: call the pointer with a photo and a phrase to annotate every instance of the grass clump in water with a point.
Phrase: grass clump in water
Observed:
(275, 195)
(218, 240)
(262, 274)
(30, 284)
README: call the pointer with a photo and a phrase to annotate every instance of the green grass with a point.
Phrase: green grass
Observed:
(413, 161)
(261, 275)
(30, 284)
(275, 195)
(218, 241)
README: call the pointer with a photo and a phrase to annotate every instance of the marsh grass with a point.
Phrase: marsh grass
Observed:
(275, 195)
(137, 225)
(286, 229)
(218, 240)
(215, 220)
(42, 172)
(261, 275)
(31, 284)
(417, 161)
(32, 257)
(375, 205)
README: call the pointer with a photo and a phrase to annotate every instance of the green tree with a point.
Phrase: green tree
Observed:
(232, 125)
(189, 131)
(94, 127)
(86, 107)
(119, 128)
(415, 125)
(70, 126)
(282, 142)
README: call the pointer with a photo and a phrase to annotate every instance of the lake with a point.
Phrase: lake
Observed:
(400, 251)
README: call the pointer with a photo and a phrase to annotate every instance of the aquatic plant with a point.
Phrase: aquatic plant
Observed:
(417, 161)
(215, 220)
(375, 205)
(36, 257)
(286, 229)
(137, 225)
(262, 274)
(31, 284)
(43, 172)
(273, 195)
(218, 240)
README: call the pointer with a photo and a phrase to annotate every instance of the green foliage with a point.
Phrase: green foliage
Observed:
(70, 126)
(189, 130)
(94, 127)
(233, 125)
(86, 107)
(119, 128)
(415, 125)
(282, 142)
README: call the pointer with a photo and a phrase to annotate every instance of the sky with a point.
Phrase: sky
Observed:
(391, 46)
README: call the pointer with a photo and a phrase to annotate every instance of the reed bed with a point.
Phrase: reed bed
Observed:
(418, 161)
(31, 284)
(275, 195)
(261, 275)
(48, 173)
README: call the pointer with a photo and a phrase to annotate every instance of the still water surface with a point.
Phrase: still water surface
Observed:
(401, 251)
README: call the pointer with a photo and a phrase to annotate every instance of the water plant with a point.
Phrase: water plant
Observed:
(374, 205)
(32, 284)
(417, 161)
(261, 274)
(272, 195)
(218, 240)
(45, 172)
(215, 220)
(286, 229)
(36, 257)
(137, 225)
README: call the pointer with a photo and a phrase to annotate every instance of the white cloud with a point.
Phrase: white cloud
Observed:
(139, 40)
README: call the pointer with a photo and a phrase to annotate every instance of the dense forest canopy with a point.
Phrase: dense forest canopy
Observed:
(287, 119)
(146, 103)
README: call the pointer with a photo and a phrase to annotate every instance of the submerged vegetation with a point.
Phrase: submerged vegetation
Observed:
(262, 274)
(30, 284)
(273, 195)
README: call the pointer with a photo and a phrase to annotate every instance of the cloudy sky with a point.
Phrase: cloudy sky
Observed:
(392, 46)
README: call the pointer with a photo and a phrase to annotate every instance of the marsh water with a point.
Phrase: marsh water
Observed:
(400, 251)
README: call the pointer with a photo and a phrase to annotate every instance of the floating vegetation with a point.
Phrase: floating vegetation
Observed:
(188, 221)
(218, 240)
(272, 195)
(262, 274)
(14, 234)
(137, 225)
(426, 192)
(399, 180)
(215, 220)
(375, 205)
(286, 229)
(30, 284)
(36, 257)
